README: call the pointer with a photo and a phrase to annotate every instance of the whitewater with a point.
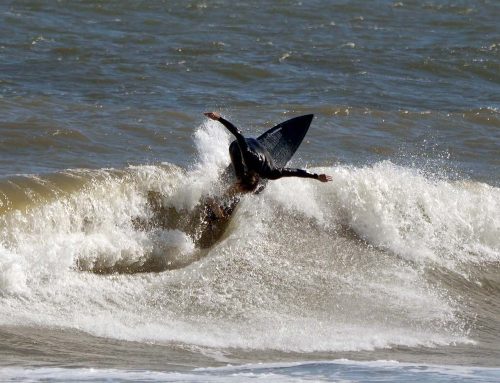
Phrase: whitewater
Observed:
(303, 267)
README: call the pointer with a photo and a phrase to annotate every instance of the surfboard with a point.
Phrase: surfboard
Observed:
(281, 141)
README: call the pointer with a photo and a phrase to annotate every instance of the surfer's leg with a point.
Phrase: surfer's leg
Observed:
(214, 211)
(236, 159)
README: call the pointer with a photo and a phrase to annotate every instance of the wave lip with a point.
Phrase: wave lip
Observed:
(421, 218)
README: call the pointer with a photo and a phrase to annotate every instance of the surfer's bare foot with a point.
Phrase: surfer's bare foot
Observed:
(324, 178)
(212, 115)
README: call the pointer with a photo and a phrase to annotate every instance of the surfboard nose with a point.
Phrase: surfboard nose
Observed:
(305, 119)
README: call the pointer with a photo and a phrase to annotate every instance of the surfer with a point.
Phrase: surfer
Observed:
(251, 161)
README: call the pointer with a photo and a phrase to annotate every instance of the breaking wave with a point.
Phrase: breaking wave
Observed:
(380, 257)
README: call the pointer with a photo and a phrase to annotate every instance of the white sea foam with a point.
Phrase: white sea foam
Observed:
(212, 142)
(12, 277)
(419, 218)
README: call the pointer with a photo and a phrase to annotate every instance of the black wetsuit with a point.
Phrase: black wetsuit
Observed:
(248, 155)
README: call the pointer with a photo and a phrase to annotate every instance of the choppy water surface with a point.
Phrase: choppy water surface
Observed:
(396, 259)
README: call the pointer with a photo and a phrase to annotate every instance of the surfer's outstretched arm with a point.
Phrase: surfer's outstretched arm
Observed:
(233, 129)
(287, 172)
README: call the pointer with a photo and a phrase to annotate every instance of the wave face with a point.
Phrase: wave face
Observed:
(385, 256)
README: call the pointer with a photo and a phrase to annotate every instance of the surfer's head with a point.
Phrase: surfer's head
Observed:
(248, 182)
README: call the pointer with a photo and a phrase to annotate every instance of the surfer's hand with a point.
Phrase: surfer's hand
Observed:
(324, 178)
(212, 115)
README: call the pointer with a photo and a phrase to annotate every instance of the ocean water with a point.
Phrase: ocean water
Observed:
(388, 273)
